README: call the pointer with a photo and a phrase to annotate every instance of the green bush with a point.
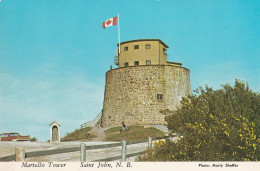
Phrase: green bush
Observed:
(33, 139)
(217, 125)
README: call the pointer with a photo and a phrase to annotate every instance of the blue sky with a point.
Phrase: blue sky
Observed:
(54, 53)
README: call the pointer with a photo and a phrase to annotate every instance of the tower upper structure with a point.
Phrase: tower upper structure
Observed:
(143, 52)
(144, 85)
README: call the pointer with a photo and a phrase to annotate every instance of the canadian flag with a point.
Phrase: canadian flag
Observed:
(109, 22)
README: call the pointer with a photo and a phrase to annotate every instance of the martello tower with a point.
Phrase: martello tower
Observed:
(143, 85)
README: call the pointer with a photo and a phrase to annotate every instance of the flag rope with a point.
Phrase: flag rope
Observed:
(118, 35)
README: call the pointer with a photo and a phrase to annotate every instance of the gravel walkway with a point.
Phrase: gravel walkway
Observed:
(91, 155)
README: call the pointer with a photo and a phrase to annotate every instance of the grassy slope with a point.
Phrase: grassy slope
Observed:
(135, 133)
(79, 134)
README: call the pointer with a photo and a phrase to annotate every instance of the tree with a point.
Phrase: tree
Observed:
(216, 125)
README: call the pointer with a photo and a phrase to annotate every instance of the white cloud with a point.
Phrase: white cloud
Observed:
(222, 73)
(28, 105)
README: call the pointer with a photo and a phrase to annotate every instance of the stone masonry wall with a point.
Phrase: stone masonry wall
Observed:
(131, 93)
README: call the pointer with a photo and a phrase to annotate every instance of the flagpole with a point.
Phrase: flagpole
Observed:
(118, 35)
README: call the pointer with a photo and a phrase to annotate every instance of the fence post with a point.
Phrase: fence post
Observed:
(124, 150)
(19, 154)
(149, 143)
(82, 152)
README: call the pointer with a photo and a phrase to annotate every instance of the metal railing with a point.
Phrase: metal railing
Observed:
(92, 123)
(116, 60)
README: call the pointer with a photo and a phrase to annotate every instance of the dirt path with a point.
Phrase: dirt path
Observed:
(100, 132)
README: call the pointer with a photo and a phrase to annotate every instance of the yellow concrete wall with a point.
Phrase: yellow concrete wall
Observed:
(154, 54)
(163, 56)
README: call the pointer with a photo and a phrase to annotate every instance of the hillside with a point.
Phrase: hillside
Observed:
(134, 133)
(113, 134)
(79, 134)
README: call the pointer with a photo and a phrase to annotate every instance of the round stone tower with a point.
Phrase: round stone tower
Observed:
(144, 85)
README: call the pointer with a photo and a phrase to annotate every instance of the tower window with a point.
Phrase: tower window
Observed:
(126, 64)
(136, 47)
(126, 48)
(159, 96)
(136, 63)
(148, 62)
(147, 46)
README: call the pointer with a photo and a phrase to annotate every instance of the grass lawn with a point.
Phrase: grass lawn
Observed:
(134, 133)
(79, 134)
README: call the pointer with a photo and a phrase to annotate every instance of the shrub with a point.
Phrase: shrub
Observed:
(217, 125)
(33, 139)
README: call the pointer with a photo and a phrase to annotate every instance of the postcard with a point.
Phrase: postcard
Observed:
(129, 85)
